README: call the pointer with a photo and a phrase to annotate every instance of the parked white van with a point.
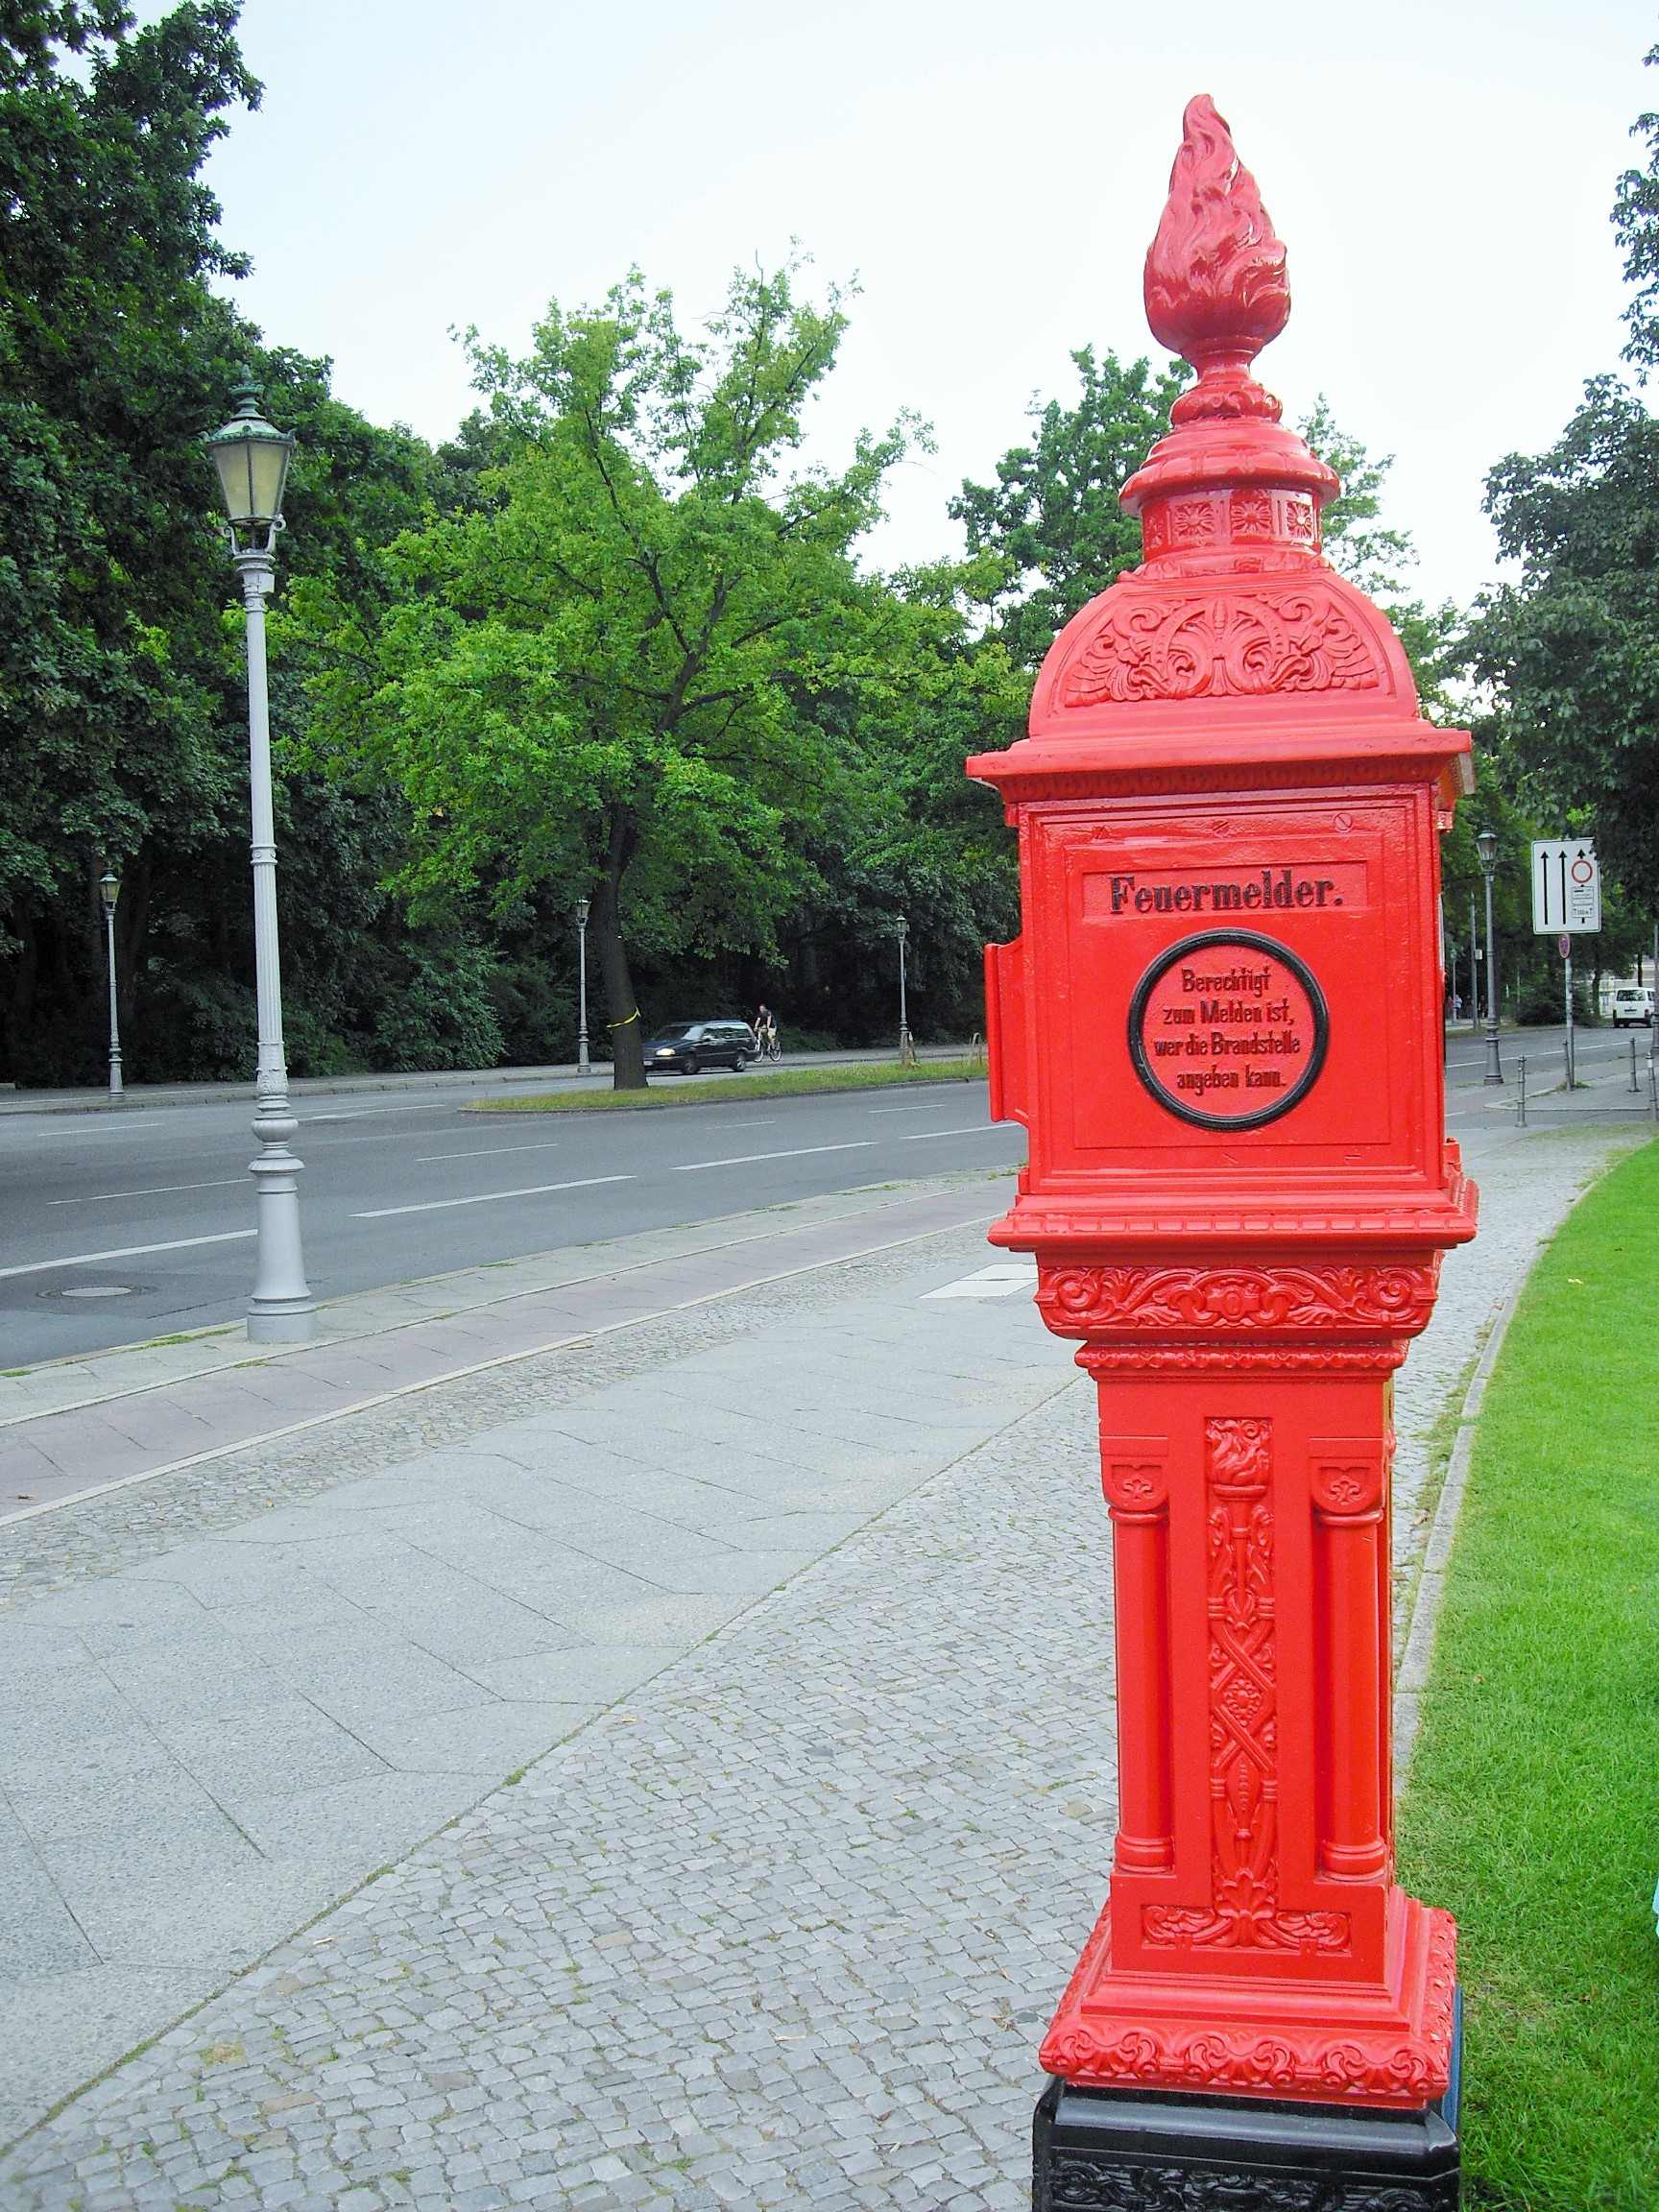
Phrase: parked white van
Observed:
(1632, 1006)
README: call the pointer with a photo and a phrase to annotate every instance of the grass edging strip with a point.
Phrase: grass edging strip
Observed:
(769, 1082)
(1532, 1805)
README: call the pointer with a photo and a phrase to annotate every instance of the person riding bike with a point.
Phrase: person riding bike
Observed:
(767, 1033)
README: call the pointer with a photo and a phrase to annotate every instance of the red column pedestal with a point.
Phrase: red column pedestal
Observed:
(1255, 1940)
(1222, 1027)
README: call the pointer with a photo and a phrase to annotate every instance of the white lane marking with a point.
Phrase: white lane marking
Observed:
(928, 1106)
(372, 1112)
(128, 1252)
(151, 1191)
(484, 1197)
(120, 1123)
(1000, 1281)
(797, 1152)
(975, 1129)
(771, 1124)
(484, 1152)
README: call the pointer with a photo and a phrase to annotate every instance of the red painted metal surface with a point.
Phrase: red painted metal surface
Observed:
(1222, 1027)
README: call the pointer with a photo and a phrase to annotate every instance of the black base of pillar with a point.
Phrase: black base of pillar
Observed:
(1136, 2150)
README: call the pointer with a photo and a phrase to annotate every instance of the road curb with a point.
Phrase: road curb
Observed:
(1418, 1656)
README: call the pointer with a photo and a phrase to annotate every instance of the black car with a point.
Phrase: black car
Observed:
(687, 1048)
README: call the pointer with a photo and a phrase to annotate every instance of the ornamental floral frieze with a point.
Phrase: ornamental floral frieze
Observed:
(1295, 2061)
(1394, 1299)
(1224, 643)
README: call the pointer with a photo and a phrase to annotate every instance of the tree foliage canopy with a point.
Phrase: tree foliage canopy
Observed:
(1051, 522)
(601, 680)
(616, 640)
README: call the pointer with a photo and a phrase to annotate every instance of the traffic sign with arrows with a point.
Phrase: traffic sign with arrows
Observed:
(1566, 886)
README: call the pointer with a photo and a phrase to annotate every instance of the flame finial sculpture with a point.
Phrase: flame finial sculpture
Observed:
(1217, 291)
(1230, 487)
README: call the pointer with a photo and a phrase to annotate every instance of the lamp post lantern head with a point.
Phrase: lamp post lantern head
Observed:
(581, 913)
(109, 884)
(1486, 845)
(252, 457)
(902, 929)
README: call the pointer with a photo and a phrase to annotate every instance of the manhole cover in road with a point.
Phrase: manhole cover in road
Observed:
(98, 1291)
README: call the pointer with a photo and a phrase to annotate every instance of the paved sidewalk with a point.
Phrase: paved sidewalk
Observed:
(779, 1924)
(78, 1425)
(204, 1749)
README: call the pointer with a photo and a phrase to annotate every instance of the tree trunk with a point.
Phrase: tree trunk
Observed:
(627, 1041)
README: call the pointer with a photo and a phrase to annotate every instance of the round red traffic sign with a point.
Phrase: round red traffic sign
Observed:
(1564, 946)
(1228, 1030)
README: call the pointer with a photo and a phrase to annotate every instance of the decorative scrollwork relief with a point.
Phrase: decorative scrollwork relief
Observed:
(1079, 2182)
(1229, 643)
(1396, 1299)
(1134, 1486)
(1243, 1913)
(1347, 1487)
(1410, 2069)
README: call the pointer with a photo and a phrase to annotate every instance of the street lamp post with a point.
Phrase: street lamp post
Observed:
(252, 457)
(906, 1050)
(109, 886)
(1486, 845)
(582, 1065)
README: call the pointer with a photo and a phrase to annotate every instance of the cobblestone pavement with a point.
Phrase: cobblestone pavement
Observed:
(781, 1927)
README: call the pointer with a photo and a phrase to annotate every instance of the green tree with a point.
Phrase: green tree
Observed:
(1377, 558)
(593, 680)
(1051, 524)
(1572, 651)
(109, 342)
(1635, 219)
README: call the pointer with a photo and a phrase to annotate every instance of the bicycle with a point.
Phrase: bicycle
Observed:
(767, 1044)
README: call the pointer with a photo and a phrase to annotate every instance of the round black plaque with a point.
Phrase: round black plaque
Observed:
(1228, 1029)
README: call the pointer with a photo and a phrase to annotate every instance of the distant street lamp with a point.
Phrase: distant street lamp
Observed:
(109, 884)
(906, 1050)
(1486, 845)
(583, 1065)
(252, 457)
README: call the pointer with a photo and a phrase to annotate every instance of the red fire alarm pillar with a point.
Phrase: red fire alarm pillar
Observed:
(1222, 1026)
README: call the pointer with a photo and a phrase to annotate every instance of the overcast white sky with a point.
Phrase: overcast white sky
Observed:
(1440, 170)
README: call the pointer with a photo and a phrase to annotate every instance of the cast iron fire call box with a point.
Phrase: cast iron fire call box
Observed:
(1222, 1026)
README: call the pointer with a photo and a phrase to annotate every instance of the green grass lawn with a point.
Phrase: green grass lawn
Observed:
(1532, 1806)
(759, 1083)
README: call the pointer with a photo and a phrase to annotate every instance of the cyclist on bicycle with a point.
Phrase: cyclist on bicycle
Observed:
(767, 1033)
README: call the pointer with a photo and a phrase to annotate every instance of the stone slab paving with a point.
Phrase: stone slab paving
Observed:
(77, 1424)
(782, 1922)
(207, 1746)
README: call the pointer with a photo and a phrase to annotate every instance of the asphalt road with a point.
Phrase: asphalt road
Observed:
(119, 1227)
(115, 1228)
(1597, 1052)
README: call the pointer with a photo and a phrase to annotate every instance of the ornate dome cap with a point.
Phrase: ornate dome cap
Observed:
(1235, 601)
